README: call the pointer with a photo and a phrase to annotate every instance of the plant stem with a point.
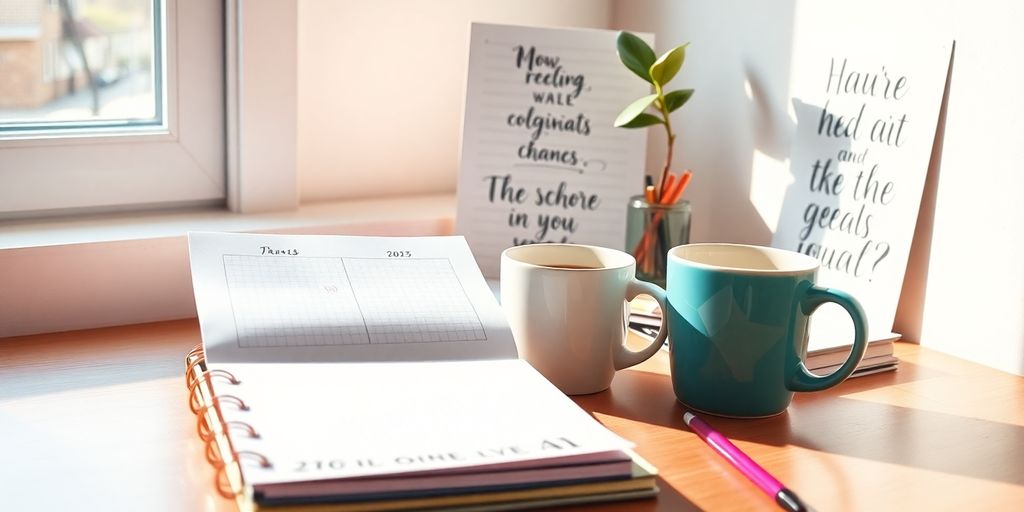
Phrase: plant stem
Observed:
(671, 139)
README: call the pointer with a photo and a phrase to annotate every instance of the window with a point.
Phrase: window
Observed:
(112, 51)
(236, 69)
(110, 104)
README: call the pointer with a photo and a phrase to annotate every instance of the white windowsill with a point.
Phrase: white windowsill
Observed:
(58, 275)
(24, 234)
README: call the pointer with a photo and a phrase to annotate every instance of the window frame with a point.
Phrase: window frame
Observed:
(112, 269)
(261, 59)
(180, 162)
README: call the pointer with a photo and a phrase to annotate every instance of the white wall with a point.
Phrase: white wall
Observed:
(732, 43)
(381, 88)
(964, 291)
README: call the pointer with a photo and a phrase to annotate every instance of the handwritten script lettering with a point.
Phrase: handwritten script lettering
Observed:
(848, 188)
(270, 251)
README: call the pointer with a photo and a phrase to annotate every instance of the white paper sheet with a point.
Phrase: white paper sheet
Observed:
(373, 355)
(866, 110)
(319, 421)
(541, 161)
(291, 298)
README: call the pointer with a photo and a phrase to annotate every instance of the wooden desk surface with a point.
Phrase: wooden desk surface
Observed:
(97, 420)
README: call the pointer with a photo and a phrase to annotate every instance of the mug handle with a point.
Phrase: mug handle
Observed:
(814, 296)
(624, 357)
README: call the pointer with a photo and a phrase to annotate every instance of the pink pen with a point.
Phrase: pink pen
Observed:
(783, 496)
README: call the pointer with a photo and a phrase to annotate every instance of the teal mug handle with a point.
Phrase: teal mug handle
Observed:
(803, 379)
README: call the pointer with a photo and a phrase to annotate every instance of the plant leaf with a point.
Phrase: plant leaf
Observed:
(676, 99)
(642, 120)
(634, 110)
(666, 67)
(635, 54)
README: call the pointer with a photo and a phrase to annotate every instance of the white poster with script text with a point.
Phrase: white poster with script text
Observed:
(541, 161)
(866, 111)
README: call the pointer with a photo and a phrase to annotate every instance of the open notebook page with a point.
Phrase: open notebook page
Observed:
(322, 421)
(370, 355)
(305, 298)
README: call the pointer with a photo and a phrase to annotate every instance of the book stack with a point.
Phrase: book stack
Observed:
(333, 376)
(823, 356)
(432, 445)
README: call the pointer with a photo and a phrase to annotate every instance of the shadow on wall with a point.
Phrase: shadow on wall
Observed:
(741, 82)
(736, 133)
(810, 117)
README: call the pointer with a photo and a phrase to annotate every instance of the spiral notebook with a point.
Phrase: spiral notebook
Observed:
(376, 373)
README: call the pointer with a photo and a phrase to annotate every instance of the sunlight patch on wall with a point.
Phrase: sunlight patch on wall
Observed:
(770, 179)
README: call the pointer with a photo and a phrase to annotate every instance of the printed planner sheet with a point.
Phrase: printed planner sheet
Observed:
(296, 298)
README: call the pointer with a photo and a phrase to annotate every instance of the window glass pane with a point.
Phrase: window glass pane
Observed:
(79, 63)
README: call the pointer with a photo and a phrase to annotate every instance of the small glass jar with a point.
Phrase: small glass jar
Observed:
(653, 229)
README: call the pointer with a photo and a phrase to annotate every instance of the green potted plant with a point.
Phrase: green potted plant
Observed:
(658, 219)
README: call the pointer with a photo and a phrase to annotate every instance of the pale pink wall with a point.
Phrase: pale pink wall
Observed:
(381, 88)
(380, 106)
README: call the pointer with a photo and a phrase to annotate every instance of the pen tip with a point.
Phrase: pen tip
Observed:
(687, 418)
(788, 500)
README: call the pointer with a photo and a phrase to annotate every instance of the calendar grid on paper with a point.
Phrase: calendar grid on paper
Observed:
(314, 301)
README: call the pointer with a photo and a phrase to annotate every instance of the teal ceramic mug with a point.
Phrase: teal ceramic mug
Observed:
(738, 318)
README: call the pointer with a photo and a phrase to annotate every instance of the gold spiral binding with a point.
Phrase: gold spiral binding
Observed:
(212, 454)
(208, 376)
(253, 433)
(197, 351)
(221, 480)
(196, 358)
(223, 484)
(203, 428)
(211, 427)
(215, 402)
(262, 459)
(206, 432)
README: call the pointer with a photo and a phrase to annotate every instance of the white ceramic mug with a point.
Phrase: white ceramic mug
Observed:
(565, 304)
